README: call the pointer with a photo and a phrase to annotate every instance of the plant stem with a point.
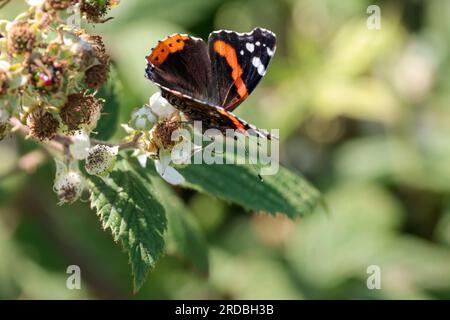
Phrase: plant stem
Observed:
(62, 143)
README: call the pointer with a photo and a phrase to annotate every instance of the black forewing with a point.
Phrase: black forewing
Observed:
(187, 72)
(254, 51)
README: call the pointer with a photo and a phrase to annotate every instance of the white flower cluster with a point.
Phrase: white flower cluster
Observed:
(160, 120)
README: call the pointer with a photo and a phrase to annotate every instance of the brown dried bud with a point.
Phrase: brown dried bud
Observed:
(96, 76)
(93, 11)
(42, 124)
(162, 132)
(61, 4)
(95, 41)
(80, 110)
(21, 39)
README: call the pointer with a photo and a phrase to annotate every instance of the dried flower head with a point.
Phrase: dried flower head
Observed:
(95, 11)
(42, 124)
(21, 39)
(69, 183)
(101, 160)
(96, 76)
(81, 111)
(163, 130)
(96, 42)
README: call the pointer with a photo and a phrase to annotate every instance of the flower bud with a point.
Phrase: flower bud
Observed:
(69, 183)
(80, 146)
(143, 118)
(160, 106)
(101, 160)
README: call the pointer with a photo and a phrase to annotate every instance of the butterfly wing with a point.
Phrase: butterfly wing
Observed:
(239, 61)
(181, 64)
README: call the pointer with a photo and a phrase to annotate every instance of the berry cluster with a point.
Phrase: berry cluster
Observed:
(50, 69)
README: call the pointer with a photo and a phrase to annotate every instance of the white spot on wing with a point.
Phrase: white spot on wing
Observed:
(242, 52)
(256, 62)
(250, 46)
(270, 52)
(258, 43)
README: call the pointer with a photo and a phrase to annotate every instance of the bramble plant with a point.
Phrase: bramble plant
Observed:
(51, 73)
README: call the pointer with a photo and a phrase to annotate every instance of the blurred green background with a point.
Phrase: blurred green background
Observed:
(364, 114)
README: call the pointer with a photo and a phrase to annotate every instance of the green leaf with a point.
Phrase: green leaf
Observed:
(126, 204)
(107, 125)
(183, 236)
(284, 192)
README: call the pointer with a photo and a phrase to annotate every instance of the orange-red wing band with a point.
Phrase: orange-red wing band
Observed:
(165, 47)
(235, 121)
(229, 53)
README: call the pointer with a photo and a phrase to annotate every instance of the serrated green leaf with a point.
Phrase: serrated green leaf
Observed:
(183, 236)
(284, 192)
(127, 205)
(107, 125)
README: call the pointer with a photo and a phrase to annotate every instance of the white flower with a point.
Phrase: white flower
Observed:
(160, 106)
(143, 118)
(168, 173)
(69, 183)
(101, 160)
(80, 146)
(162, 119)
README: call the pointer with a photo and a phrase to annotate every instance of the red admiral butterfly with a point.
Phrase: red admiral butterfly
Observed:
(208, 81)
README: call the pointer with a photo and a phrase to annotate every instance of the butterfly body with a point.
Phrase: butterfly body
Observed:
(208, 81)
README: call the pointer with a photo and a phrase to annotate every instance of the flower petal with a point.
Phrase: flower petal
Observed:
(80, 146)
(142, 159)
(160, 106)
(168, 173)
